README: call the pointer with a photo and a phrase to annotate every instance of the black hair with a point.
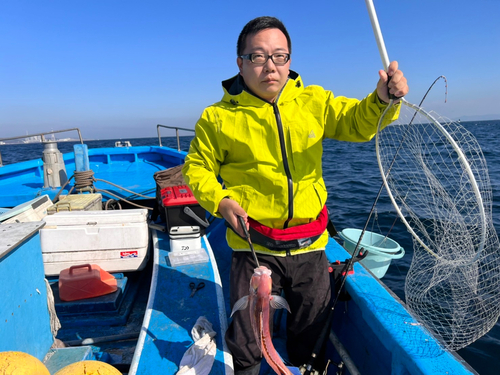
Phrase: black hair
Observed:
(259, 24)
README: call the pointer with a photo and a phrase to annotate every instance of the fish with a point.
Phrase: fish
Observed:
(260, 300)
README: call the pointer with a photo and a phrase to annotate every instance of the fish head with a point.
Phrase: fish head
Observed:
(261, 286)
(261, 283)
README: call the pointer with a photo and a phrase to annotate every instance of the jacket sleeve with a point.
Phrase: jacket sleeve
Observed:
(203, 161)
(354, 120)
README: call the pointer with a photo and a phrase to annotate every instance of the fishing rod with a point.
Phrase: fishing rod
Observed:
(247, 236)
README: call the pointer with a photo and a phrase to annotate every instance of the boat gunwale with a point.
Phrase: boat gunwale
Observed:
(363, 283)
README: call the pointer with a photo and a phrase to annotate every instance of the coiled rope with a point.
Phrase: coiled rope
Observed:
(84, 182)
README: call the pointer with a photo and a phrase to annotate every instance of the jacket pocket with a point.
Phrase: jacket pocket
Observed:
(309, 200)
(321, 192)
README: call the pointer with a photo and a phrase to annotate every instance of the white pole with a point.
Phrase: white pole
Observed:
(378, 34)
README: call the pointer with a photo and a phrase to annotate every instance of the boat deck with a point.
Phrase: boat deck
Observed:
(110, 324)
(169, 319)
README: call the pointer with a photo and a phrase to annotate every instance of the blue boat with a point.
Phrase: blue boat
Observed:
(146, 325)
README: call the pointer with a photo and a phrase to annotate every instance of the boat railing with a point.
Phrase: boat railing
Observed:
(42, 138)
(176, 133)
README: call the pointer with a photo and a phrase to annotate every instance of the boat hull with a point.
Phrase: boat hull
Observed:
(129, 167)
(152, 323)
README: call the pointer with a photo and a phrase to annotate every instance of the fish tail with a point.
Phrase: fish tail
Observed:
(272, 357)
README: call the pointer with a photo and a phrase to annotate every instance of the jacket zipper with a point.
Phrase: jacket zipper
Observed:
(285, 163)
(277, 115)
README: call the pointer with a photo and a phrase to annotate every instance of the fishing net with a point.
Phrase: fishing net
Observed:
(436, 176)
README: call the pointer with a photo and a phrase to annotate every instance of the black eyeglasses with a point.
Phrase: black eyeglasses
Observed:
(261, 58)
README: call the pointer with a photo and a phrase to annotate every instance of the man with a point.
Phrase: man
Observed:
(264, 139)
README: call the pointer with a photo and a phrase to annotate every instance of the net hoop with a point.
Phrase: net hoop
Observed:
(464, 162)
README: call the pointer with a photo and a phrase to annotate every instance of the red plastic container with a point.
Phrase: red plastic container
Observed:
(174, 201)
(85, 281)
(177, 196)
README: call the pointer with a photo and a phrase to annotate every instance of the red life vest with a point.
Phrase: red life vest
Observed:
(293, 238)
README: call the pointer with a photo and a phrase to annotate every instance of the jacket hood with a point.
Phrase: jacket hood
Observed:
(236, 92)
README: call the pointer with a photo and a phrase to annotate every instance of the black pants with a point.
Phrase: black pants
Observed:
(305, 281)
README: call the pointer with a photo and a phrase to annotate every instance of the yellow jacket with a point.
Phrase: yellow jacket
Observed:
(269, 154)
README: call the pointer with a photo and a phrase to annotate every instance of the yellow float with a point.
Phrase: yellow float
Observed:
(19, 363)
(88, 368)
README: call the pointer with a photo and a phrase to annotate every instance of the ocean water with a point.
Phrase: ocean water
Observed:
(353, 180)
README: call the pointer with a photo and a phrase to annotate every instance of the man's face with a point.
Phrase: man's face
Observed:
(266, 80)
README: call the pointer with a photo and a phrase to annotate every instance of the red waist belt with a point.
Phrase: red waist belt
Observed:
(292, 238)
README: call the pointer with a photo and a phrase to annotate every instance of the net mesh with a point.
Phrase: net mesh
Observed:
(437, 178)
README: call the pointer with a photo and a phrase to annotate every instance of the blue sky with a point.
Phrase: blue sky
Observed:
(115, 69)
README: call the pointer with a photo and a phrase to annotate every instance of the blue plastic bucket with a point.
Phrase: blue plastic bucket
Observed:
(381, 249)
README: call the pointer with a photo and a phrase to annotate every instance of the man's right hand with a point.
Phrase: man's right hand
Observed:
(230, 210)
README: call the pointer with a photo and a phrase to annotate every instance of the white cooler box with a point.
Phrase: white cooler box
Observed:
(117, 241)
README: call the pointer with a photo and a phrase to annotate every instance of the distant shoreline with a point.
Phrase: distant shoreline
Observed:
(65, 140)
(462, 121)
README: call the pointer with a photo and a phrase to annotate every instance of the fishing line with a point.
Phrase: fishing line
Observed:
(402, 140)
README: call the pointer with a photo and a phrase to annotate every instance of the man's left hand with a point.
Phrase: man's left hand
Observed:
(397, 84)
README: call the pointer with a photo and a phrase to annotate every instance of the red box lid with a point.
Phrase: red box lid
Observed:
(85, 281)
(177, 196)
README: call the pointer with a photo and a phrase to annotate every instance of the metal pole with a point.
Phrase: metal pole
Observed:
(158, 131)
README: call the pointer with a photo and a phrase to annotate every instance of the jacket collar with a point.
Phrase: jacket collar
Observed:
(237, 92)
